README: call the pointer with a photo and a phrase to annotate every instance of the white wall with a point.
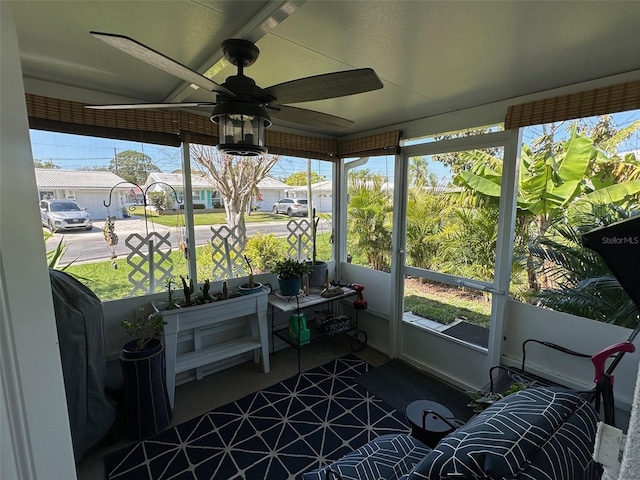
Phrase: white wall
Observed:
(37, 441)
(465, 365)
(580, 334)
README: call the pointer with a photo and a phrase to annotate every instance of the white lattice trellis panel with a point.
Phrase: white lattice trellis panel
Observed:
(150, 259)
(227, 253)
(299, 239)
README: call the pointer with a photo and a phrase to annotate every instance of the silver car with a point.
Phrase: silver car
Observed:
(291, 206)
(64, 215)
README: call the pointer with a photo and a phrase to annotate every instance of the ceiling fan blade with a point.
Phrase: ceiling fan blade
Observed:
(310, 118)
(328, 85)
(126, 106)
(158, 60)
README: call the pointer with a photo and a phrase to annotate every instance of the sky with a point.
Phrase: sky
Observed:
(71, 152)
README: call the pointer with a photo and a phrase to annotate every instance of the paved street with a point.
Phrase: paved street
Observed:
(90, 246)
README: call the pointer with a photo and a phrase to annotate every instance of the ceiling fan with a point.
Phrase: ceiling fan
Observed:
(242, 109)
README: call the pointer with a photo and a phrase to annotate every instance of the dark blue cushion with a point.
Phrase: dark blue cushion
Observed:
(538, 433)
(387, 457)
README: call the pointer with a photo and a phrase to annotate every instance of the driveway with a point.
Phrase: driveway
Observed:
(90, 246)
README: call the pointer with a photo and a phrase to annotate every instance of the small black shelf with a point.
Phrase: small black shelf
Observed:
(317, 334)
(295, 305)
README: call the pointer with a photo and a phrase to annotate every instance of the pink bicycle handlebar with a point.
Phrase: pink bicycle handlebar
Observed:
(600, 358)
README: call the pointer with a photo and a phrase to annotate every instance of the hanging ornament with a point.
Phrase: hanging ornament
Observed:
(181, 236)
(110, 237)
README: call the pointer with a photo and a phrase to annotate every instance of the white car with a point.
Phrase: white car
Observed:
(64, 215)
(291, 206)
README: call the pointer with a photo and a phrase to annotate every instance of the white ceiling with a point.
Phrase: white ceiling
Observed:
(433, 57)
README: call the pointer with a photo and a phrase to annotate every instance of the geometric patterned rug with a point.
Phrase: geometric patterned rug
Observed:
(302, 423)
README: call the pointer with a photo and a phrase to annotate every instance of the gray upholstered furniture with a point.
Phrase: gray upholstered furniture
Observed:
(538, 433)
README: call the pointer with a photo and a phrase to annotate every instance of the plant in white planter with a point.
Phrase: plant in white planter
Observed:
(203, 296)
(250, 286)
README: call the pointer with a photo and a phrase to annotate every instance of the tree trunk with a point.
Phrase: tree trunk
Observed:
(235, 217)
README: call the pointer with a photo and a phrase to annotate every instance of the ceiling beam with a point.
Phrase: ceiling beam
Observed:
(275, 12)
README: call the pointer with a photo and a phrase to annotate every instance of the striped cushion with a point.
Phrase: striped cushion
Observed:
(538, 433)
(387, 457)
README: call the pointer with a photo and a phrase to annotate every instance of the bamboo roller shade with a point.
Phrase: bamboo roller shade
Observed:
(600, 101)
(170, 127)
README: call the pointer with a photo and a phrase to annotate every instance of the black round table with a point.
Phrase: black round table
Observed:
(430, 421)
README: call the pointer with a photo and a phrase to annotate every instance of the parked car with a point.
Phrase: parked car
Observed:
(64, 215)
(291, 206)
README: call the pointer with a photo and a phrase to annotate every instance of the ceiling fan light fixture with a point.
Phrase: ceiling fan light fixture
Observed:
(241, 128)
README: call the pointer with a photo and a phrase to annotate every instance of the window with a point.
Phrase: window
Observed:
(73, 152)
(76, 152)
(370, 211)
(451, 240)
(593, 180)
(262, 199)
(455, 134)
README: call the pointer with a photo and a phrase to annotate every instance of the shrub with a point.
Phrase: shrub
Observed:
(158, 200)
(263, 251)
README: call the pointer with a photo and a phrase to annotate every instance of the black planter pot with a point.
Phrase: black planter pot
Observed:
(145, 400)
(129, 350)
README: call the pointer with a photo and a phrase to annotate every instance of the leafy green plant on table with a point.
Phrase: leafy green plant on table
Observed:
(290, 268)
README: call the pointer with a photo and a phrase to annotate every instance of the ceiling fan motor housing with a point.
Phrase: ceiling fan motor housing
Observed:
(242, 120)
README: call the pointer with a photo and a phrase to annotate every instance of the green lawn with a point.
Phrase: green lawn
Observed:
(444, 305)
(110, 283)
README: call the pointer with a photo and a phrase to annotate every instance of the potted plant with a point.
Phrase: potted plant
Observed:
(250, 286)
(318, 268)
(145, 400)
(146, 329)
(290, 272)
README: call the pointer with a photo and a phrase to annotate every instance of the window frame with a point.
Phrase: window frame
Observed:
(510, 141)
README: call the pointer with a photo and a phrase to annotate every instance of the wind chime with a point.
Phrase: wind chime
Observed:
(181, 236)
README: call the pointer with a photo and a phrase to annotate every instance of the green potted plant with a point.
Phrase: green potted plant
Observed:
(251, 286)
(290, 272)
(146, 329)
(318, 268)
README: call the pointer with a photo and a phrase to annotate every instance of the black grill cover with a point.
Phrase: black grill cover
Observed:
(619, 246)
(80, 323)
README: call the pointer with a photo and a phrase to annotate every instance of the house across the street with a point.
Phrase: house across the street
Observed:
(171, 184)
(90, 189)
(269, 191)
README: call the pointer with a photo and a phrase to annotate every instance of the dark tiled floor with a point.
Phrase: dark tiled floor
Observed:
(196, 398)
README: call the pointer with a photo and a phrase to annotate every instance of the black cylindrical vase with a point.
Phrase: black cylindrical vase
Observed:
(145, 400)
